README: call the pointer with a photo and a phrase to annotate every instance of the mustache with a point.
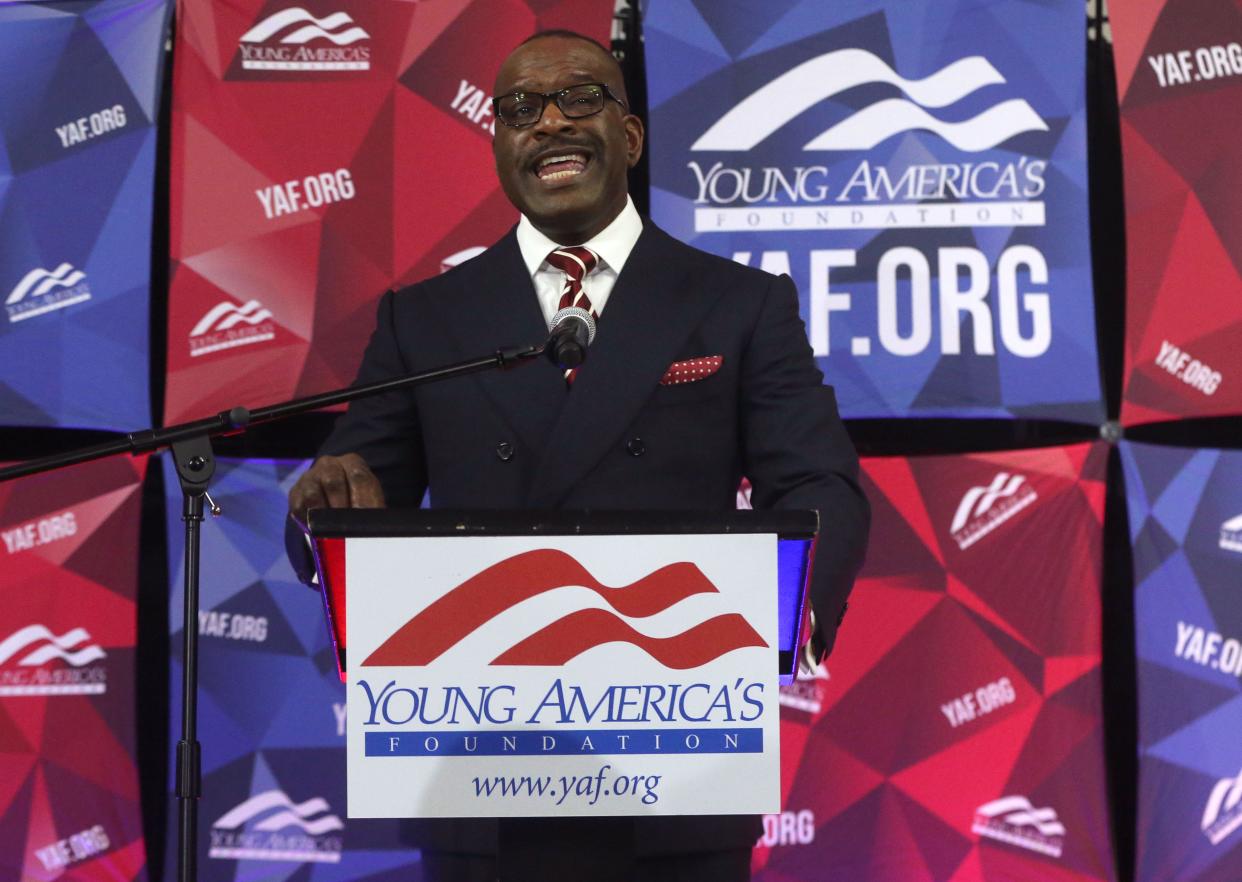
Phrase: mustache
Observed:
(561, 145)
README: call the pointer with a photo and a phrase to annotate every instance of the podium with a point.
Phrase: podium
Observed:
(563, 664)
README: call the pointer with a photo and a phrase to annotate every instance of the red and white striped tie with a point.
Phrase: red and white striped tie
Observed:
(576, 262)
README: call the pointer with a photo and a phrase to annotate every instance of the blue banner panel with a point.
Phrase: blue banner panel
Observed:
(918, 166)
(271, 706)
(1186, 528)
(78, 110)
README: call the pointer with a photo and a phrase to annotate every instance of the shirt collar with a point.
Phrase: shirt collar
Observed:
(613, 244)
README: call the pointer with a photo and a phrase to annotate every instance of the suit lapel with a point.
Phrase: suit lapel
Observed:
(497, 307)
(651, 311)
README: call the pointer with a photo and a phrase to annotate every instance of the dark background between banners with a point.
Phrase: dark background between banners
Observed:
(875, 438)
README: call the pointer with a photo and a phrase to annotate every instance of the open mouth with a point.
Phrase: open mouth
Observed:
(561, 166)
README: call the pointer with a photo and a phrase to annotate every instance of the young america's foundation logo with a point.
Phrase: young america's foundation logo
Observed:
(1223, 813)
(281, 42)
(1014, 820)
(1231, 534)
(795, 91)
(734, 194)
(41, 291)
(227, 325)
(272, 827)
(983, 509)
(35, 661)
(502, 586)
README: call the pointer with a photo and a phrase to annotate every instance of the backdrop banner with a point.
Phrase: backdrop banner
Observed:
(321, 153)
(1179, 77)
(69, 806)
(271, 704)
(918, 166)
(1186, 529)
(77, 163)
(956, 730)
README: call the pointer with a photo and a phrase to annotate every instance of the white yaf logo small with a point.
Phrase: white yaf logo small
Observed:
(1231, 534)
(1223, 813)
(41, 291)
(983, 509)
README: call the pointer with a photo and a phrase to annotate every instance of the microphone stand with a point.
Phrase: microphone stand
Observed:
(190, 444)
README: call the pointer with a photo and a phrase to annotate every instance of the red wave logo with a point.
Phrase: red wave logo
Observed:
(482, 597)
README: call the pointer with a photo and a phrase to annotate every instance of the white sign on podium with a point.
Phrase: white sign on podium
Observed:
(562, 675)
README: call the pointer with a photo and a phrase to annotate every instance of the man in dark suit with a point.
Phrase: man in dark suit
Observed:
(625, 434)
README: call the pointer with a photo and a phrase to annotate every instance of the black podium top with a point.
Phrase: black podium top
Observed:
(335, 523)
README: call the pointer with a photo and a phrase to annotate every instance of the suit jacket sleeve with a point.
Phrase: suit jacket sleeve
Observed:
(797, 453)
(384, 430)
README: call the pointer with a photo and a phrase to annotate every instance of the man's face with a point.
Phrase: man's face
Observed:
(573, 199)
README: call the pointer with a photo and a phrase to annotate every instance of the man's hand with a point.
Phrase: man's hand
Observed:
(336, 482)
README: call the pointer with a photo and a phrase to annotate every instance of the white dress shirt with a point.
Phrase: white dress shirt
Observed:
(613, 245)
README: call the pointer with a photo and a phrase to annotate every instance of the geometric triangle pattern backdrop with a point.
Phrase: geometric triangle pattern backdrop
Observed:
(69, 806)
(919, 167)
(1179, 77)
(1185, 510)
(955, 733)
(323, 151)
(271, 705)
(78, 104)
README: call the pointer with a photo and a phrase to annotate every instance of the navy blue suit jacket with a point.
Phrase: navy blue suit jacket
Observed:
(617, 439)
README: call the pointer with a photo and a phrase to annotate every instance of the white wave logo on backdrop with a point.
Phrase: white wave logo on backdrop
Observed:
(299, 27)
(1223, 813)
(218, 329)
(318, 27)
(983, 509)
(1014, 820)
(41, 291)
(789, 95)
(55, 647)
(270, 837)
(31, 648)
(1231, 534)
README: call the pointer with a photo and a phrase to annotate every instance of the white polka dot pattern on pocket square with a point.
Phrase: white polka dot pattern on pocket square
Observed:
(691, 370)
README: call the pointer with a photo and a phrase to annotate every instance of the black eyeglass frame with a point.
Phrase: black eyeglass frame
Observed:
(557, 95)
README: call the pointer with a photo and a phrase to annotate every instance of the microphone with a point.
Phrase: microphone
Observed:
(572, 330)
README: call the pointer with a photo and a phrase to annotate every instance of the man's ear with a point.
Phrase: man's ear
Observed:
(633, 138)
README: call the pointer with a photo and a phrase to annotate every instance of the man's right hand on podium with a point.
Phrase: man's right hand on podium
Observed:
(336, 482)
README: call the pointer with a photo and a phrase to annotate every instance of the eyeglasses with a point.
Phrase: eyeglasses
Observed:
(518, 109)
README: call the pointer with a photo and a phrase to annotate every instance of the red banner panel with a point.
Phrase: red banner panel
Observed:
(955, 733)
(323, 151)
(69, 576)
(1179, 76)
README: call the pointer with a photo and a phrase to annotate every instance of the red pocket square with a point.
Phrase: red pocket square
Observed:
(692, 369)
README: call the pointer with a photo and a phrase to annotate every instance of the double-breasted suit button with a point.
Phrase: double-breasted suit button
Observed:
(636, 447)
(504, 451)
